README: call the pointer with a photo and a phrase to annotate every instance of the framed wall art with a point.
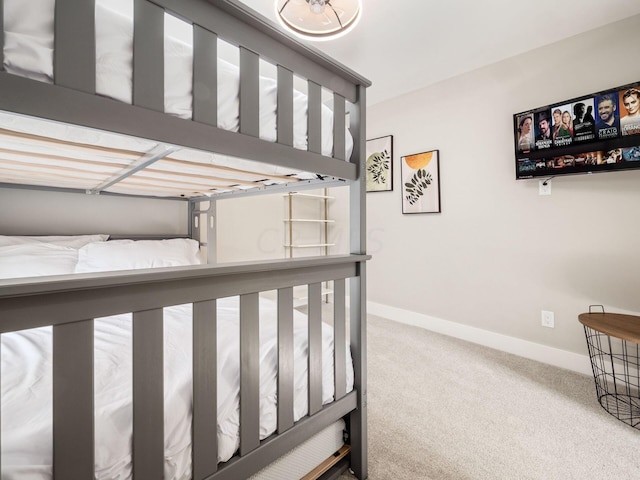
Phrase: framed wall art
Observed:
(421, 182)
(380, 164)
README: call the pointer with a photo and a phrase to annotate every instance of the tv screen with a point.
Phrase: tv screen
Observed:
(593, 133)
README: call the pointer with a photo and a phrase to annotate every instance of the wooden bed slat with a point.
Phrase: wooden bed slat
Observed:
(249, 94)
(339, 147)
(315, 347)
(74, 63)
(205, 76)
(148, 56)
(148, 394)
(284, 111)
(339, 339)
(249, 373)
(205, 437)
(73, 401)
(285, 359)
(314, 117)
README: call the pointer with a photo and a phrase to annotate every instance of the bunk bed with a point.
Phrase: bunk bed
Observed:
(103, 106)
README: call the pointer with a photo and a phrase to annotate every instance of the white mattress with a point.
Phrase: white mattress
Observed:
(27, 383)
(28, 52)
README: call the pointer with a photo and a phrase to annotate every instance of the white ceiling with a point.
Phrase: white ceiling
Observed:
(404, 45)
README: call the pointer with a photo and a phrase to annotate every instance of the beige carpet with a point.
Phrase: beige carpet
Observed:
(444, 409)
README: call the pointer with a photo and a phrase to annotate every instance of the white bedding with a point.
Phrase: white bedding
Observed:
(26, 381)
(28, 51)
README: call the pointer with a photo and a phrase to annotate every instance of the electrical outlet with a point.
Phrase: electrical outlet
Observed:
(544, 187)
(547, 319)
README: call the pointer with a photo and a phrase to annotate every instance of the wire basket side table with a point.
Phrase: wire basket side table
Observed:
(613, 340)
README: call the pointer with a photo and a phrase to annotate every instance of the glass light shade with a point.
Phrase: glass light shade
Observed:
(318, 19)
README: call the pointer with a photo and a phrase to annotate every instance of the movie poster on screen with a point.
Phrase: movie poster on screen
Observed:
(562, 125)
(629, 99)
(542, 126)
(607, 116)
(631, 154)
(583, 121)
(524, 129)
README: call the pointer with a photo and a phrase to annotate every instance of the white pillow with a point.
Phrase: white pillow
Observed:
(130, 254)
(73, 241)
(32, 260)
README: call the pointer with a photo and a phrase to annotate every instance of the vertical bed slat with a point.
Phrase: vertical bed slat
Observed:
(1, 44)
(284, 111)
(74, 63)
(339, 339)
(205, 438)
(148, 394)
(338, 127)
(315, 347)
(285, 359)
(249, 373)
(73, 404)
(249, 96)
(314, 117)
(148, 55)
(205, 76)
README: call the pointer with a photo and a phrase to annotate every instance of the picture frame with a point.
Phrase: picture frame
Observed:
(379, 164)
(421, 182)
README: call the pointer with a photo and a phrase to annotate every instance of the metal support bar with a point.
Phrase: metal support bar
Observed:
(155, 154)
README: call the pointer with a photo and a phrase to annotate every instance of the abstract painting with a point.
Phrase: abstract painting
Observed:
(421, 183)
(380, 164)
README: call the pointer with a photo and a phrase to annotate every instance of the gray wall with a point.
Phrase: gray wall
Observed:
(499, 253)
(38, 212)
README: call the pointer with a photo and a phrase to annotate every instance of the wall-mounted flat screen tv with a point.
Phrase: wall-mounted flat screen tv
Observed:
(594, 133)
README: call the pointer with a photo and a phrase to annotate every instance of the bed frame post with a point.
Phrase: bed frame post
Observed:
(206, 222)
(358, 291)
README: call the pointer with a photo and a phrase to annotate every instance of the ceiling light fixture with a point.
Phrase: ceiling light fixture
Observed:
(318, 19)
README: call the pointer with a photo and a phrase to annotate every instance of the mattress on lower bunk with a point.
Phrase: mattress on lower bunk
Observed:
(29, 52)
(26, 363)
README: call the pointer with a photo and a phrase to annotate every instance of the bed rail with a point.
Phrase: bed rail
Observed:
(70, 304)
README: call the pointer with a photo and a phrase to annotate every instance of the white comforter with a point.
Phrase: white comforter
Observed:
(28, 51)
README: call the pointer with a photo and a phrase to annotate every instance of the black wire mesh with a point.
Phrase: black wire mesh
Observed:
(616, 371)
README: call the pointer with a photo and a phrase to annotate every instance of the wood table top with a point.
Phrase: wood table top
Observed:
(619, 325)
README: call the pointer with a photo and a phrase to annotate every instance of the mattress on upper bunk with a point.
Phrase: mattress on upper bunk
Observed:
(26, 362)
(29, 52)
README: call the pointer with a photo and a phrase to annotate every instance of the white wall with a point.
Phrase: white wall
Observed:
(499, 253)
(253, 228)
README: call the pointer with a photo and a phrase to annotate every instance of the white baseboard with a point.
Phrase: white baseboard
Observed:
(534, 351)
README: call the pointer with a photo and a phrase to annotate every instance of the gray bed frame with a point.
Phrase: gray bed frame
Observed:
(70, 303)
